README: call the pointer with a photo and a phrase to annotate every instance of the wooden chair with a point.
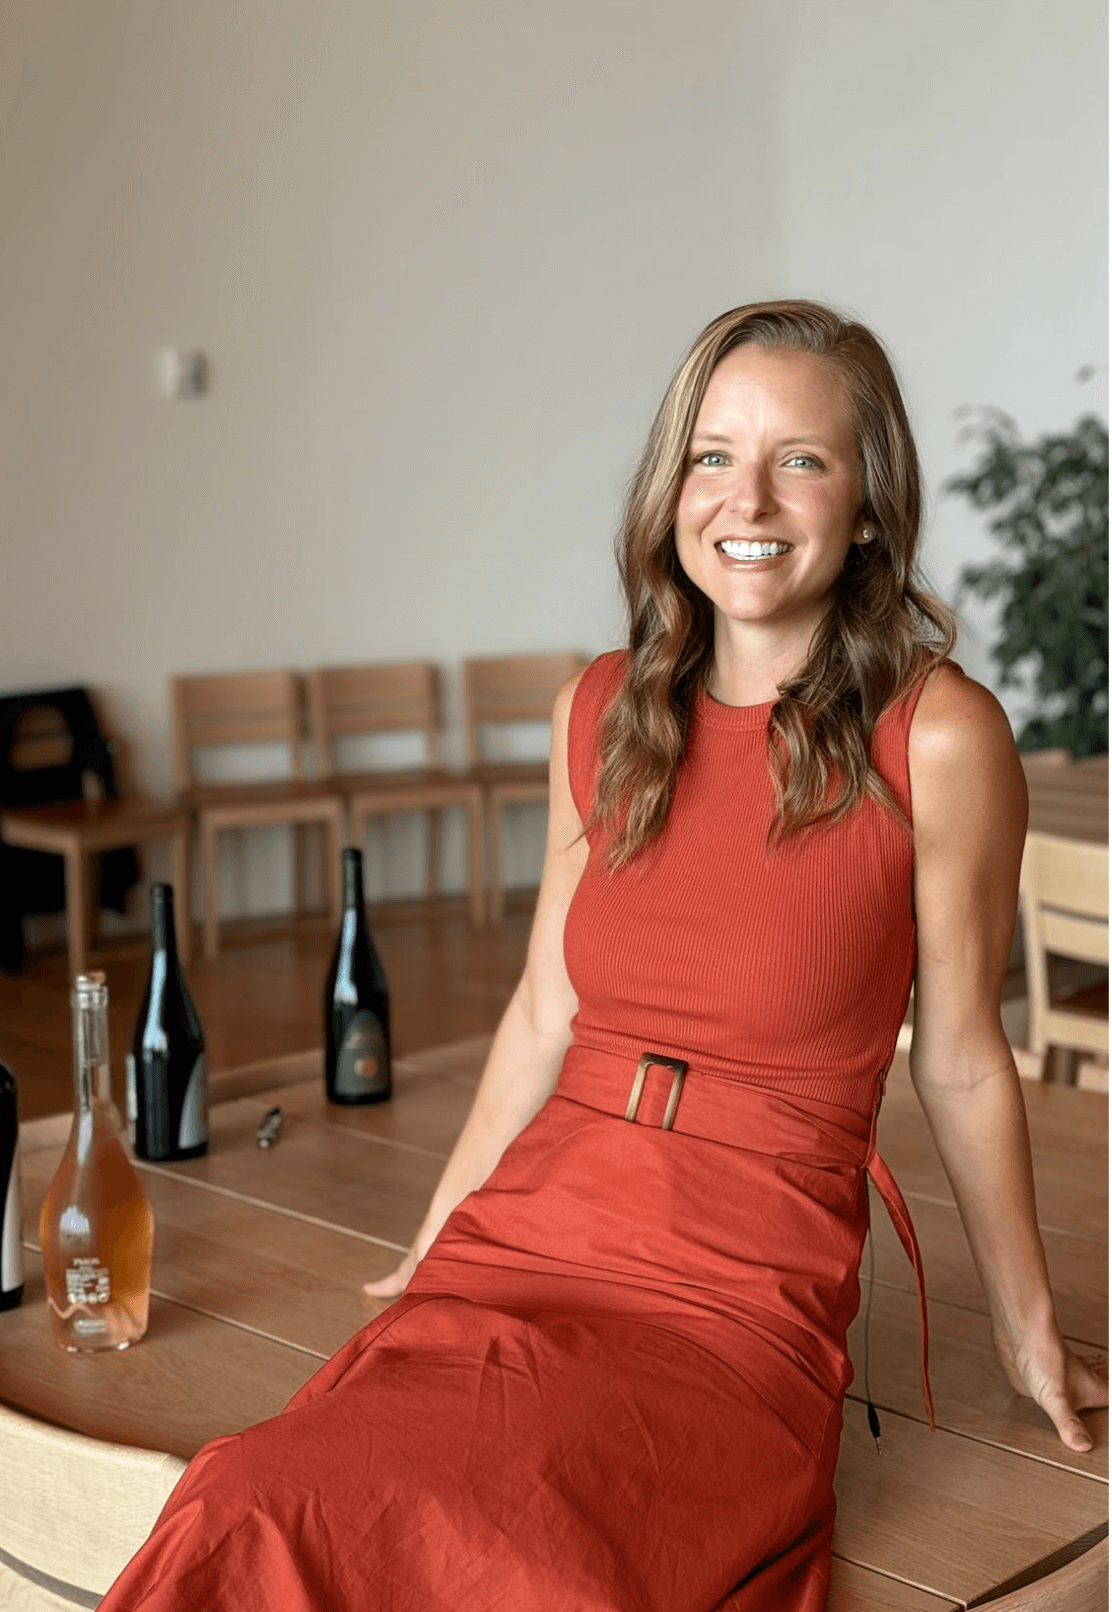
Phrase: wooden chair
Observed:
(1064, 898)
(500, 690)
(397, 698)
(73, 1512)
(79, 831)
(239, 709)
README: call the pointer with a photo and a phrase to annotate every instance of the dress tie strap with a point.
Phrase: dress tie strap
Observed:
(885, 1182)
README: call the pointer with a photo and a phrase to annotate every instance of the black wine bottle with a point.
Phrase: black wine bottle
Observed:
(167, 1097)
(11, 1238)
(356, 1005)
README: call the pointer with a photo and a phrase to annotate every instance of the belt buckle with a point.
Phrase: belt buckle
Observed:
(679, 1070)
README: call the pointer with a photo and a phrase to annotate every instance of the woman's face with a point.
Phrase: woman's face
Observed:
(773, 460)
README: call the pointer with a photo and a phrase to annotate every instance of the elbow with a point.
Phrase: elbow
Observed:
(547, 1019)
(960, 1063)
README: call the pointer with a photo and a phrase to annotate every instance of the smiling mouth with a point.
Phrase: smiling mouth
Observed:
(738, 550)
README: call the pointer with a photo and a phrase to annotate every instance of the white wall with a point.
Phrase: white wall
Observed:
(443, 255)
(948, 179)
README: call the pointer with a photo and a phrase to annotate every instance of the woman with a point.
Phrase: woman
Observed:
(615, 1378)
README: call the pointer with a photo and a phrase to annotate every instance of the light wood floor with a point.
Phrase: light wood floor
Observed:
(262, 996)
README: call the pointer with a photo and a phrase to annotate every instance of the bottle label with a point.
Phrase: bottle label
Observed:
(362, 1059)
(11, 1242)
(193, 1124)
(88, 1282)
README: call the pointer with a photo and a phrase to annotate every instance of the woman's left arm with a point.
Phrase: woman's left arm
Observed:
(969, 807)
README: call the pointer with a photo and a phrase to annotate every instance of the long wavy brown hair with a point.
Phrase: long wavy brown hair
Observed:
(882, 630)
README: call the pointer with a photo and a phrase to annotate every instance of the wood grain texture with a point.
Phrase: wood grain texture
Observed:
(248, 1265)
(1069, 1149)
(950, 1514)
(330, 1176)
(426, 1112)
(858, 1589)
(189, 1380)
(1078, 1268)
(972, 1396)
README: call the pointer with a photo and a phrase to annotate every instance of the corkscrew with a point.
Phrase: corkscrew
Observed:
(269, 1126)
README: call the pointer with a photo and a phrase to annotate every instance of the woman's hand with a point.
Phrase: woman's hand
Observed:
(389, 1287)
(1042, 1367)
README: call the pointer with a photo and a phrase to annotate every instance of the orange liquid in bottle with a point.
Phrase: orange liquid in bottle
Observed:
(96, 1226)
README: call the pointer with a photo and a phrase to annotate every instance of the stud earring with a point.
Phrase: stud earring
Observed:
(867, 534)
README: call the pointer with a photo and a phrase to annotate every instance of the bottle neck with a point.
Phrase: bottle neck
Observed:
(163, 934)
(91, 1070)
(353, 885)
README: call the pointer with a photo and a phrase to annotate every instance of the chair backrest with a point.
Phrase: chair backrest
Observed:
(399, 697)
(1064, 893)
(73, 1511)
(235, 708)
(512, 688)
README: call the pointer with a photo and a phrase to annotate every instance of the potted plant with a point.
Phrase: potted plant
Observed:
(1049, 509)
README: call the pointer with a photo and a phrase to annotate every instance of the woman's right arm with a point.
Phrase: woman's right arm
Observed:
(535, 1031)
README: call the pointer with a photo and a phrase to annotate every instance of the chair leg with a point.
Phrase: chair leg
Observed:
(334, 886)
(475, 881)
(305, 835)
(183, 895)
(432, 854)
(1060, 1065)
(210, 889)
(497, 901)
(77, 911)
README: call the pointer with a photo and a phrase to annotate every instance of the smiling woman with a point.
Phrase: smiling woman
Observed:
(615, 1372)
(784, 424)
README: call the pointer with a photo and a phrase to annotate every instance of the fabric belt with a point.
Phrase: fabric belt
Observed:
(663, 1091)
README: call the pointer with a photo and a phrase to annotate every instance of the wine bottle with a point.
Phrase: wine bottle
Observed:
(356, 1004)
(11, 1238)
(167, 1090)
(96, 1228)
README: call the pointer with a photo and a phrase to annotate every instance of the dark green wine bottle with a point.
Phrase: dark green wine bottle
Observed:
(167, 1089)
(356, 1004)
(11, 1241)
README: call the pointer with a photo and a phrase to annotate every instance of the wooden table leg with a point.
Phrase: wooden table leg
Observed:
(77, 909)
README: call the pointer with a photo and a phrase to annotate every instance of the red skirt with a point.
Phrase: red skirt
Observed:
(615, 1382)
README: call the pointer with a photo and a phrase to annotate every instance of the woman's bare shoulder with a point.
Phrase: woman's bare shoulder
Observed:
(960, 746)
(955, 713)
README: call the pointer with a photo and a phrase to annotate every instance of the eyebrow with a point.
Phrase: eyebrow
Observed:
(785, 442)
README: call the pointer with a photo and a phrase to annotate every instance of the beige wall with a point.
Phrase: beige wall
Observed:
(443, 257)
(952, 186)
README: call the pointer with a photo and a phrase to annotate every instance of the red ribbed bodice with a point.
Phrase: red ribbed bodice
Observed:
(790, 969)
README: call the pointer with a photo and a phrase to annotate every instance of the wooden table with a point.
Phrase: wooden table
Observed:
(259, 1256)
(77, 830)
(1070, 799)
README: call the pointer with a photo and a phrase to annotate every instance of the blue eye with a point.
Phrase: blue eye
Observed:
(711, 453)
(802, 458)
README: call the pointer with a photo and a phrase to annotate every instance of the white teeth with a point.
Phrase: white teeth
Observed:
(752, 551)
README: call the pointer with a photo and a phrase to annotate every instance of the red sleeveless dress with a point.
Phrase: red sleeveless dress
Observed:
(615, 1382)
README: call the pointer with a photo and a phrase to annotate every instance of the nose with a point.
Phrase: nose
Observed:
(751, 494)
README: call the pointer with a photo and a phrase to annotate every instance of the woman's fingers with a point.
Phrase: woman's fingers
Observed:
(388, 1287)
(1088, 1381)
(1085, 1388)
